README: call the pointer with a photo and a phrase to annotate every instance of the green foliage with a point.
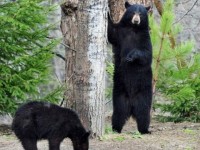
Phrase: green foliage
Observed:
(56, 95)
(136, 135)
(119, 138)
(178, 71)
(110, 68)
(25, 51)
(110, 71)
(189, 131)
(108, 130)
(111, 135)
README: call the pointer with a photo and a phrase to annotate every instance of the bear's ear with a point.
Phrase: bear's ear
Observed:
(148, 8)
(127, 4)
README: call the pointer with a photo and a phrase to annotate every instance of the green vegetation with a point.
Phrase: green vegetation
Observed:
(136, 135)
(109, 70)
(108, 130)
(176, 69)
(189, 131)
(111, 135)
(25, 51)
(119, 138)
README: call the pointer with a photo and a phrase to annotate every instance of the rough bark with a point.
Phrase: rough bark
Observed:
(69, 28)
(116, 9)
(84, 29)
(159, 6)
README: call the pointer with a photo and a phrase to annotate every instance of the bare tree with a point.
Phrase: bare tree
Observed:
(84, 29)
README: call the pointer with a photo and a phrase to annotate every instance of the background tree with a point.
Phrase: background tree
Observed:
(25, 51)
(84, 29)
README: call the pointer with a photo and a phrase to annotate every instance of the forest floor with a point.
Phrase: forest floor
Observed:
(165, 136)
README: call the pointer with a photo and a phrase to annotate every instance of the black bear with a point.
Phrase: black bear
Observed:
(42, 120)
(132, 89)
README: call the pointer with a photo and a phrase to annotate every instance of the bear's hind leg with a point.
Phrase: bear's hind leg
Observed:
(142, 112)
(29, 144)
(120, 112)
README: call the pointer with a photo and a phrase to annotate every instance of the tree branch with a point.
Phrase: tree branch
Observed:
(187, 11)
(69, 47)
(59, 55)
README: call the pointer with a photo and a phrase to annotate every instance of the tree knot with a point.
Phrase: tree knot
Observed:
(69, 8)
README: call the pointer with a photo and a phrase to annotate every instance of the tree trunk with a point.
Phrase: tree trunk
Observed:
(84, 29)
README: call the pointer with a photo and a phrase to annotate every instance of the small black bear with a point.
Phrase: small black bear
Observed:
(36, 120)
(132, 48)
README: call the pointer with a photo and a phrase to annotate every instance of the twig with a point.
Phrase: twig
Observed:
(108, 102)
(155, 79)
(66, 90)
(187, 12)
(69, 47)
(59, 55)
(62, 102)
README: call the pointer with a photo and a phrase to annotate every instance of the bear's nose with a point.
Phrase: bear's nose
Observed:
(136, 19)
(136, 22)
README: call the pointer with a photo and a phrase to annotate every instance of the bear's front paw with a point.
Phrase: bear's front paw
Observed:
(130, 58)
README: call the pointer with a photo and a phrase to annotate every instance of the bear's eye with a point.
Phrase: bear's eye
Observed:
(137, 13)
(133, 13)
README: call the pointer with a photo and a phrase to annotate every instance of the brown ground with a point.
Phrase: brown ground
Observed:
(165, 136)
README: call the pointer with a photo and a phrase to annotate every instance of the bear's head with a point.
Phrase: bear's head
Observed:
(81, 142)
(135, 16)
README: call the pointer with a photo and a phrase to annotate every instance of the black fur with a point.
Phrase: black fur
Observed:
(34, 121)
(132, 89)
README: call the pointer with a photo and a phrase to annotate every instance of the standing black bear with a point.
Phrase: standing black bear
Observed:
(40, 120)
(132, 89)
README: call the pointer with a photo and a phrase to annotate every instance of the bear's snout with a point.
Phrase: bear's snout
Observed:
(136, 19)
